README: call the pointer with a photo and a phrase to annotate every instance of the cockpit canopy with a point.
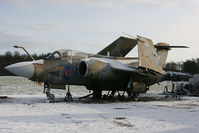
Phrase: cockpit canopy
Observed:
(67, 53)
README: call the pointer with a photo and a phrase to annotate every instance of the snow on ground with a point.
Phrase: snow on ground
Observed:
(28, 110)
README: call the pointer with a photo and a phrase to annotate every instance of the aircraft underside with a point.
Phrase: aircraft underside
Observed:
(106, 89)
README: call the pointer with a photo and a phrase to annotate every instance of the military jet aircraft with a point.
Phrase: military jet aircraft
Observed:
(108, 70)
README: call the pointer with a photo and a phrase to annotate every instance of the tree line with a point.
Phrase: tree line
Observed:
(189, 66)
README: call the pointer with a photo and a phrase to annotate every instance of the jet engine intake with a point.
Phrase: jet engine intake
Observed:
(83, 68)
(95, 69)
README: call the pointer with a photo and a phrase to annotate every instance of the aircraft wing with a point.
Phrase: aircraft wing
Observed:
(123, 67)
(114, 64)
(120, 47)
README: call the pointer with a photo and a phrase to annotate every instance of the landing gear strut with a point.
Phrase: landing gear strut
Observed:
(68, 96)
(131, 94)
(51, 97)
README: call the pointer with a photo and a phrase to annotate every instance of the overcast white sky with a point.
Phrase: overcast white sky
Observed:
(90, 25)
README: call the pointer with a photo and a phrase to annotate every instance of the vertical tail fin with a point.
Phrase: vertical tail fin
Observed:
(153, 56)
(162, 51)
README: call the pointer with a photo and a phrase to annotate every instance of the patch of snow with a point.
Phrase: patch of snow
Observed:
(28, 110)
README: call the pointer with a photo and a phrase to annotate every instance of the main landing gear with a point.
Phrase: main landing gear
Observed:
(68, 97)
(130, 91)
(133, 96)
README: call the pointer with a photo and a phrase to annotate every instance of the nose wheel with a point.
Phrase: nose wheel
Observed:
(51, 97)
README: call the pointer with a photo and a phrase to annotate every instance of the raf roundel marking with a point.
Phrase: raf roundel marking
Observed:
(68, 72)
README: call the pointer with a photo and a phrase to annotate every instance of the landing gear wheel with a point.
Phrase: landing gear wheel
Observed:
(136, 97)
(68, 97)
(133, 96)
(97, 94)
(51, 98)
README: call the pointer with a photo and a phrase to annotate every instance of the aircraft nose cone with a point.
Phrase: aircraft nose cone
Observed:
(24, 69)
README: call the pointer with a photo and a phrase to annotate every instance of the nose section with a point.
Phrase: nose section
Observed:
(24, 69)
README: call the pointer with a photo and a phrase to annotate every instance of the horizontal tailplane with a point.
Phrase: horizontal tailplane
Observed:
(159, 47)
(162, 51)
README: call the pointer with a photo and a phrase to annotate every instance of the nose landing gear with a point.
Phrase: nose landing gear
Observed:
(51, 97)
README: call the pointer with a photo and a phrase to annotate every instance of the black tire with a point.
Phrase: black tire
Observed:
(51, 98)
(136, 97)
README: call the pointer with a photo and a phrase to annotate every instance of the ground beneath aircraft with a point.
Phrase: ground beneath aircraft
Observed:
(28, 110)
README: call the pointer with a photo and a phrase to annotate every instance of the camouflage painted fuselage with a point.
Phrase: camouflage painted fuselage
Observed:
(95, 72)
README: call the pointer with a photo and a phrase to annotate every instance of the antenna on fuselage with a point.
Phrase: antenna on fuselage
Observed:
(25, 51)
